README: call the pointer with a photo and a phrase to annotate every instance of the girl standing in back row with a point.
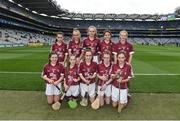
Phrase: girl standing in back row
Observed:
(76, 46)
(60, 48)
(106, 44)
(92, 42)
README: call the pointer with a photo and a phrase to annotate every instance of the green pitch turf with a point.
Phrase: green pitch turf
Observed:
(23, 105)
(155, 86)
(147, 60)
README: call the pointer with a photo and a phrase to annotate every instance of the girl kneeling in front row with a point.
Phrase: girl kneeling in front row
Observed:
(53, 74)
(121, 74)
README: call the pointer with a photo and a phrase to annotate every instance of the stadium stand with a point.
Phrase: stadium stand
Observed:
(12, 36)
(27, 17)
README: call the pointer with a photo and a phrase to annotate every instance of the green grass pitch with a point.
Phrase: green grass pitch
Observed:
(155, 88)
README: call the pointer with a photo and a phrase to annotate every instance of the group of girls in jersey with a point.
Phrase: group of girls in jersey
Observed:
(90, 68)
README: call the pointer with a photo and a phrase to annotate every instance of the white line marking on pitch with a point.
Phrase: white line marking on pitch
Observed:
(137, 74)
(140, 74)
(14, 72)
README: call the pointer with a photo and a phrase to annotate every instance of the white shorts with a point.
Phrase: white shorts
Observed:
(107, 91)
(87, 88)
(96, 59)
(123, 95)
(73, 91)
(52, 90)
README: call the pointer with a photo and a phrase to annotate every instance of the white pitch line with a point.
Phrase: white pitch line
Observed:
(137, 74)
(140, 74)
(14, 72)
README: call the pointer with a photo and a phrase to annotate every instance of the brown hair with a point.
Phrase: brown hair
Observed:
(106, 52)
(50, 54)
(107, 31)
(122, 52)
(87, 50)
(59, 33)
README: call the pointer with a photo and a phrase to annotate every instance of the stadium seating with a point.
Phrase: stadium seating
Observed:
(38, 28)
(12, 36)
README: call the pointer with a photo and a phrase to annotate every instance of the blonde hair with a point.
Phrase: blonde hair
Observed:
(68, 64)
(93, 27)
(77, 30)
(79, 33)
(124, 31)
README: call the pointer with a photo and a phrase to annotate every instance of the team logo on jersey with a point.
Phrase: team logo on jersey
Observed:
(70, 78)
(53, 70)
(77, 51)
(73, 72)
(86, 74)
(60, 54)
(53, 76)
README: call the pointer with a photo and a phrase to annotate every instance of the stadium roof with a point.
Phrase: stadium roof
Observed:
(51, 8)
(48, 7)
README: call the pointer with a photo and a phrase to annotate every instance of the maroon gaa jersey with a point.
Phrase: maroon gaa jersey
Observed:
(125, 74)
(53, 72)
(103, 70)
(75, 48)
(88, 70)
(94, 45)
(60, 50)
(106, 46)
(127, 48)
(71, 74)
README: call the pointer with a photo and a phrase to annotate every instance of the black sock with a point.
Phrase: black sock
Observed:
(74, 97)
(67, 98)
